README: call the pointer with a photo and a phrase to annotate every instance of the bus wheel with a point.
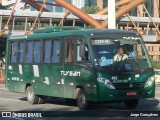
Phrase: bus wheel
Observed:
(131, 103)
(40, 100)
(31, 97)
(82, 103)
(70, 100)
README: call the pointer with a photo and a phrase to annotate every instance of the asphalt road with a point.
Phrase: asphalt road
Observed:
(59, 108)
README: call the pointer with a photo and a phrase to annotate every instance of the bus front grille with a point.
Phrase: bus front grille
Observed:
(129, 86)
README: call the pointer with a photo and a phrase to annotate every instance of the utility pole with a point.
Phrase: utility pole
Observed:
(111, 14)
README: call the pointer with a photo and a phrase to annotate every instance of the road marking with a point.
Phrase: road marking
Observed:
(9, 99)
(18, 118)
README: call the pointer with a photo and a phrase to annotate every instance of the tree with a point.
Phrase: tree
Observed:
(90, 9)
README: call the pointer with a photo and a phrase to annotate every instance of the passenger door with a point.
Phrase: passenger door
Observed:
(12, 70)
(83, 64)
(68, 72)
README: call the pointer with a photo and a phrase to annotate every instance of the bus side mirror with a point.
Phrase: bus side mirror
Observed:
(82, 50)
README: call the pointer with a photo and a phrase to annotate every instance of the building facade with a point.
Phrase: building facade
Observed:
(50, 5)
(153, 6)
(53, 7)
(10, 3)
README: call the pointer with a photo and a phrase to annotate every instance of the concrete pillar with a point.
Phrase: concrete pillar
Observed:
(148, 27)
(78, 3)
(50, 22)
(26, 22)
(156, 8)
(74, 22)
(13, 23)
(39, 19)
(111, 14)
(0, 23)
(140, 11)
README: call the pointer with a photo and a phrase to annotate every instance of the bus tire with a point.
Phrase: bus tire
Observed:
(130, 104)
(31, 97)
(68, 100)
(40, 100)
(82, 103)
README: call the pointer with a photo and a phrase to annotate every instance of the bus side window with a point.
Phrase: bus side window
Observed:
(37, 51)
(14, 48)
(82, 51)
(56, 51)
(29, 51)
(47, 51)
(21, 52)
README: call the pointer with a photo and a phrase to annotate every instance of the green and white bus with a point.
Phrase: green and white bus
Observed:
(75, 63)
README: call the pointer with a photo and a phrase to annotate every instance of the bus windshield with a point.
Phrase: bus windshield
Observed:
(123, 54)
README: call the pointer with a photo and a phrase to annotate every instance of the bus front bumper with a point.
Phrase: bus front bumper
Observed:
(122, 95)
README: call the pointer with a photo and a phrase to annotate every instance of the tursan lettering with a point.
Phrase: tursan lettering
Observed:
(70, 73)
(132, 38)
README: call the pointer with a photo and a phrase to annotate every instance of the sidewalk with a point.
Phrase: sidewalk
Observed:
(2, 86)
(157, 94)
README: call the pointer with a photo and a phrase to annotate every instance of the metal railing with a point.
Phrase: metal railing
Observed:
(146, 31)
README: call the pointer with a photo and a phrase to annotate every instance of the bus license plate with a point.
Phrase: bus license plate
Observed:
(131, 93)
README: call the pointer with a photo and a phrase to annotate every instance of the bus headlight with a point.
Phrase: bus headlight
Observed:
(106, 82)
(149, 82)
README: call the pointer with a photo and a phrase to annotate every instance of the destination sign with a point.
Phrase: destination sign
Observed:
(18, 37)
(102, 42)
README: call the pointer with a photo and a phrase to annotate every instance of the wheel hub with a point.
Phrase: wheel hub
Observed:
(30, 95)
(82, 99)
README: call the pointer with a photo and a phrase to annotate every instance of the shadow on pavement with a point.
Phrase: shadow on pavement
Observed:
(144, 105)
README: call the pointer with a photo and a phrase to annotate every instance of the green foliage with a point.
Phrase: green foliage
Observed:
(88, 27)
(155, 64)
(90, 9)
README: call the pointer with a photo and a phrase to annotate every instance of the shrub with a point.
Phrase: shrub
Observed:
(90, 9)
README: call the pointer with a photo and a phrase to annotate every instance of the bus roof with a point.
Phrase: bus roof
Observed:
(52, 32)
